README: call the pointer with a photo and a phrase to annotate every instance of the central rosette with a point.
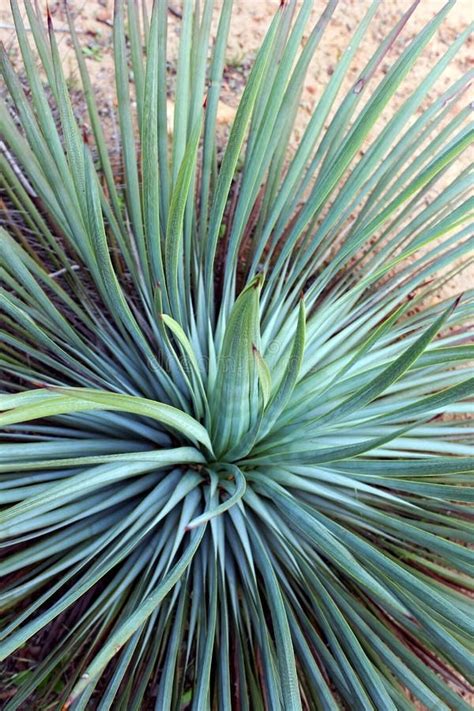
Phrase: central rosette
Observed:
(244, 403)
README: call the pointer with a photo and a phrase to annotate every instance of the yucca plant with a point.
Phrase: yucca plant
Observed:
(235, 467)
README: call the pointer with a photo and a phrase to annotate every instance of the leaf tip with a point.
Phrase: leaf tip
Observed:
(49, 18)
(85, 135)
(258, 280)
(41, 384)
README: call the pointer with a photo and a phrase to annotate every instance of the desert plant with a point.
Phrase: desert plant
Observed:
(224, 475)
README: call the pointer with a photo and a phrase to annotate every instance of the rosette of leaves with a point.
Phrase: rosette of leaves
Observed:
(225, 481)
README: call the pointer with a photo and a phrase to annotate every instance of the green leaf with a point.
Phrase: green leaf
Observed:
(235, 393)
(240, 487)
(64, 401)
(282, 394)
(174, 228)
(390, 374)
(129, 626)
